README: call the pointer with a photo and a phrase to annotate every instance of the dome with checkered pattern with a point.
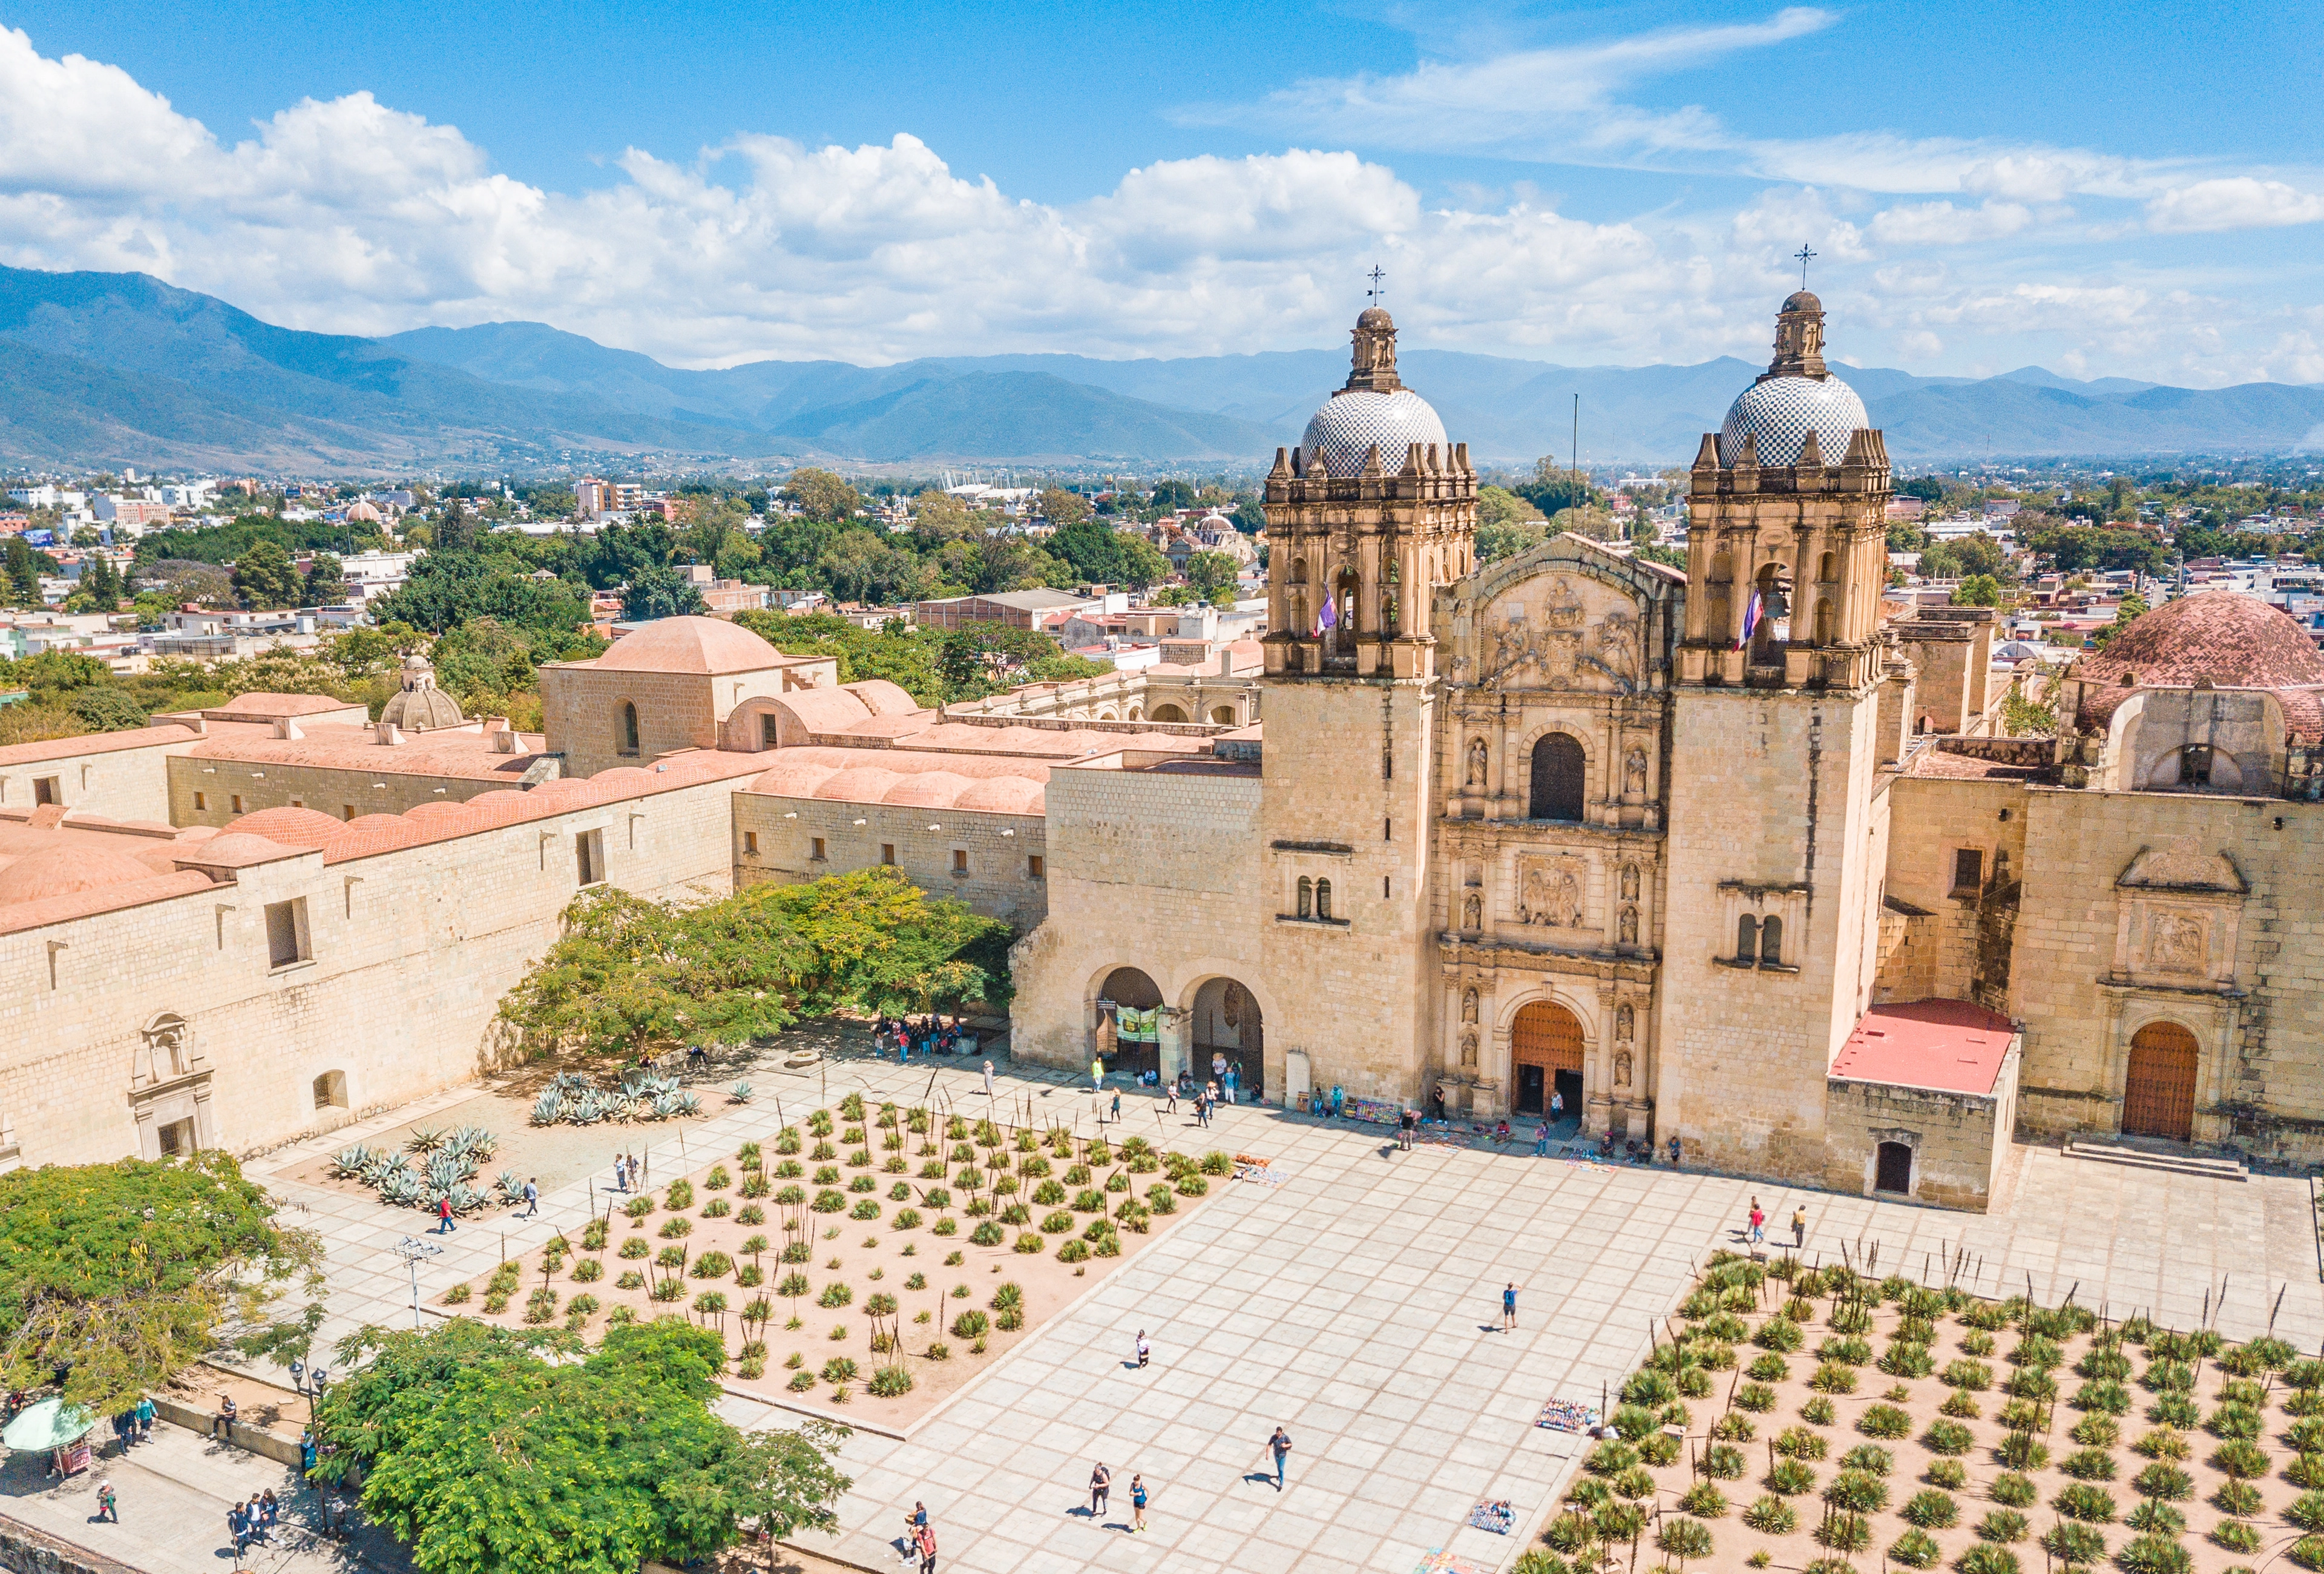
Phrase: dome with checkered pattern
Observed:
(1352, 420)
(1778, 412)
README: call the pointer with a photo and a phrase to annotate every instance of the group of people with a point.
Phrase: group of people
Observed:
(1637, 1151)
(253, 1521)
(625, 1172)
(919, 1542)
(1755, 1226)
(927, 1036)
(135, 1424)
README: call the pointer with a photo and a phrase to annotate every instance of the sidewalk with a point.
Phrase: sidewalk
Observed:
(173, 1491)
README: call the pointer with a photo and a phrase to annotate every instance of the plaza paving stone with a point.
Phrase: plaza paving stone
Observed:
(1357, 1304)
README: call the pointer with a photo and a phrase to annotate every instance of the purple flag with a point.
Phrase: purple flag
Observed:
(1750, 620)
(1329, 617)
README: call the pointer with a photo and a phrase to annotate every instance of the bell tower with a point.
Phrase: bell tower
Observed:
(1372, 512)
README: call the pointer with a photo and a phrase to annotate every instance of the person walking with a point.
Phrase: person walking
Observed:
(531, 1196)
(144, 1418)
(1405, 1121)
(1510, 1309)
(444, 1224)
(926, 1547)
(107, 1506)
(1145, 1350)
(1100, 1487)
(1171, 1093)
(621, 1172)
(1279, 1445)
(1758, 1230)
(637, 1167)
(1541, 1140)
(1557, 1105)
(1117, 1106)
(1097, 1076)
(1800, 1226)
(988, 1078)
(1137, 1504)
(236, 1529)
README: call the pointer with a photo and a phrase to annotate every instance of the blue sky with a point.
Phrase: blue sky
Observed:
(2103, 192)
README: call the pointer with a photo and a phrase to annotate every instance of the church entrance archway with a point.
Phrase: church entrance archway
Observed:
(2158, 1096)
(1892, 1169)
(1559, 772)
(1126, 1047)
(1227, 1033)
(1545, 1057)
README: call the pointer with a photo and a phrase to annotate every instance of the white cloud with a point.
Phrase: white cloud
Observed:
(2234, 202)
(1940, 224)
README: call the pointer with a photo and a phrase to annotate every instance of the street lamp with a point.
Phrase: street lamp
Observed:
(411, 1250)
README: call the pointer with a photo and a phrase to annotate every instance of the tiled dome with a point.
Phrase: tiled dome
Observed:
(1355, 419)
(1779, 413)
(62, 870)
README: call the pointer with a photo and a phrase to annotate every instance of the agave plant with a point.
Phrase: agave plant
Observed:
(546, 1107)
(686, 1104)
(350, 1162)
(473, 1139)
(424, 1139)
(464, 1198)
(741, 1094)
(511, 1189)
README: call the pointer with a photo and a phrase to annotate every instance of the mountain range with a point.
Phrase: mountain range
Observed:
(114, 368)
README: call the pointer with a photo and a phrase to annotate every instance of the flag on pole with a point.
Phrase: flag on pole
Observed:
(1329, 616)
(1750, 620)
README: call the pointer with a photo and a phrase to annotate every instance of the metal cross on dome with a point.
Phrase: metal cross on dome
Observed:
(1374, 293)
(1803, 257)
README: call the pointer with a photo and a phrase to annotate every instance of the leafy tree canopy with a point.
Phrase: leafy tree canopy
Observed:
(654, 593)
(264, 576)
(228, 542)
(129, 1273)
(821, 496)
(631, 975)
(1062, 508)
(447, 589)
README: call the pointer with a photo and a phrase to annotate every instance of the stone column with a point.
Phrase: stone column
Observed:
(1173, 1050)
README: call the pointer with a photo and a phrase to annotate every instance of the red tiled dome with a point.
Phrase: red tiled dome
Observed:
(2235, 641)
(690, 645)
(293, 828)
(64, 871)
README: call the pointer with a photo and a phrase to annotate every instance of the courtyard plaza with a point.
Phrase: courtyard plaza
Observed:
(1353, 1299)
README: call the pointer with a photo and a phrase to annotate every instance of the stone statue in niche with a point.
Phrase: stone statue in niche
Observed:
(1550, 896)
(1469, 1051)
(168, 1051)
(2175, 944)
(1477, 756)
(1629, 925)
(1621, 1068)
(1618, 648)
(1629, 881)
(1626, 1022)
(1467, 1006)
(1633, 774)
(1472, 913)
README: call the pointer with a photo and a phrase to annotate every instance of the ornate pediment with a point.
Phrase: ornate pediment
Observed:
(1560, 632)
(2182, 865)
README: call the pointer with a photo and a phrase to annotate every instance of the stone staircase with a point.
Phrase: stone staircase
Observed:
(2167, 1158)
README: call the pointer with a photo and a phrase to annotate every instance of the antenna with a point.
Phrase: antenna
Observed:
(1803, 257)
(1375, 294)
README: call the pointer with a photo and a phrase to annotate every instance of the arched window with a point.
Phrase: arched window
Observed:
(1771, 942)
(1307, 897)
(1560, 771)
(2195, 765)
(1222, 715)
(625, 737)
(1826, 620)
(1323, 899)
(1827, 568)
(1746, 938)
(331, 1090)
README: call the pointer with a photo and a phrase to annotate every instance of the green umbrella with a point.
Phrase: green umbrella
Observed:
(50, 1424)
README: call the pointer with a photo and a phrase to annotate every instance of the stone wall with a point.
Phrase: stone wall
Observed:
(1962, 950)
(411, 950)
(775, 840)
(1156, 871)
(1773, 815)
(580, 707)
(205, 790)
(116, 781)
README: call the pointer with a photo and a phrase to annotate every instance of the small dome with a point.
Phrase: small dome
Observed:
(421, 708)
(694, 646)
(1375, 316)
(1779, 413)
(64, 871)
(1801, 301)
(363, 511)
(293, 828)
(236, 847)
(927, 790)
(1355, 419)
(1004, 795)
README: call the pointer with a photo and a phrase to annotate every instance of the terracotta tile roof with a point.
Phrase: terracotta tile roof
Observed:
(1951, 1045)
(1963, 768)
(159, 736)
(2232, 640)
(457, 752)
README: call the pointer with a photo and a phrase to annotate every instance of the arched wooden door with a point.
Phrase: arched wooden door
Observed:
(1545, 1056)
(2158, 1098)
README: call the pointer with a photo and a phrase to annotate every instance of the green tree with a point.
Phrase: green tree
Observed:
(654, 593)
(447, 589)
(619, 552)
(129, 1273)
(821, 496)
(1213, 574)
(101, 582)
(1249, 518)
(326, 582)
(1554, 487)
(861, 566)
(107, 709)
(457, 531)
(481, 1458)
(2126, 613)
(938, 516)
(784, 1482)
(1506, 525)
(23, 577)
(1062, 508)
(1172, 494)
(264, 576)
(1978, 590)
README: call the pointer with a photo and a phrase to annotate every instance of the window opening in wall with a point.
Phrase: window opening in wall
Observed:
(959, 860)
(1770, 943)
(625, 733)
(177, 1137)
(1035, 867)
(44, 790)
(331, 1090)
(1307, 897)
(237, 802)
(1559, 770)
(589, 857)
(2195, 765)
(1323, 899)
(751, 843)
(1969, 869)
(817, 855)
(201, 800)
(768, 727)
(1383, 888)
(298, 803)
(1746, 938)
(888, 853)
(286, 932)
(347, 811)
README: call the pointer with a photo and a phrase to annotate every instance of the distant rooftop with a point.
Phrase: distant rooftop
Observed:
(1952, 1046)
